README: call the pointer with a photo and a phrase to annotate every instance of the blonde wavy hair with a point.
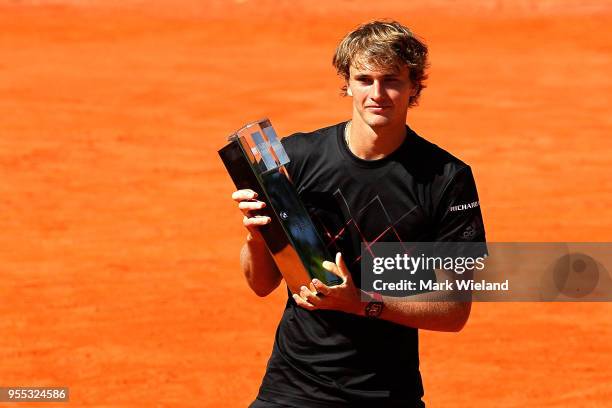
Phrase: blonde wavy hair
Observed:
(383, 44)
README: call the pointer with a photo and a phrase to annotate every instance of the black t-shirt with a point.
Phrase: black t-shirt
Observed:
(330, 359)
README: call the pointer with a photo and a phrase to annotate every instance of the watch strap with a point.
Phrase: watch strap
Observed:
(374, 307)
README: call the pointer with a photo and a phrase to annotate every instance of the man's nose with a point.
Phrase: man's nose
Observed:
(377, 91)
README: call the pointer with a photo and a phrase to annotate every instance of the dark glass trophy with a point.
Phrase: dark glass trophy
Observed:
(256, 159)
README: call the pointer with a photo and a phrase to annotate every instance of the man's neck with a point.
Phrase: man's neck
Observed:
(374, 143)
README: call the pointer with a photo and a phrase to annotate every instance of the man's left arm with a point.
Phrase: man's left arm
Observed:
(439, 310)
(458, 220)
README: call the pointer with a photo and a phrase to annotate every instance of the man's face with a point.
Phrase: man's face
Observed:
(380, 95)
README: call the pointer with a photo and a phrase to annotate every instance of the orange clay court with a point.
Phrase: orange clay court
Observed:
(119, 241)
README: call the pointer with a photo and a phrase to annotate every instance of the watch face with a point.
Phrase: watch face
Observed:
(374, 309)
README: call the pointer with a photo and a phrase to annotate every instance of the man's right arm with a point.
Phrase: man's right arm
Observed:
(257, 263)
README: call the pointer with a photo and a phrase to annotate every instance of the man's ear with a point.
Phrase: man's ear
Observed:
(348, 91)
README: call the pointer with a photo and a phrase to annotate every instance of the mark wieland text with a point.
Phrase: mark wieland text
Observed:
(429, 285)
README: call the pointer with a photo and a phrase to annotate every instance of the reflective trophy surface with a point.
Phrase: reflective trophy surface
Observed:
(255, 159)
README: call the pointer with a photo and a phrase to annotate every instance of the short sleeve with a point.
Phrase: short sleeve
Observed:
(459, 218)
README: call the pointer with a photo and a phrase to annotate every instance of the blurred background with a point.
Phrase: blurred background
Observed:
(119, 241)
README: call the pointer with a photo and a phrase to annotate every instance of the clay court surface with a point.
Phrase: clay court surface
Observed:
(119, 241)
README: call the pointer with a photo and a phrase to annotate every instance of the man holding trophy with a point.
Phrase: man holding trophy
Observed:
(369, 179)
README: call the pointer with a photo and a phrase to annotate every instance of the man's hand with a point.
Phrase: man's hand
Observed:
(258, 266)
(345, 297)
(248, 204)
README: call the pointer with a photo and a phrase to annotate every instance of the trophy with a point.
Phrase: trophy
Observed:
(255, 159)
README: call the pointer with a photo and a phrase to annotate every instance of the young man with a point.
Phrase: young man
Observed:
(369, 179)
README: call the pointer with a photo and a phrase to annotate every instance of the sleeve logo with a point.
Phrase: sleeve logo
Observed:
(469, 233)
(462, 207)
